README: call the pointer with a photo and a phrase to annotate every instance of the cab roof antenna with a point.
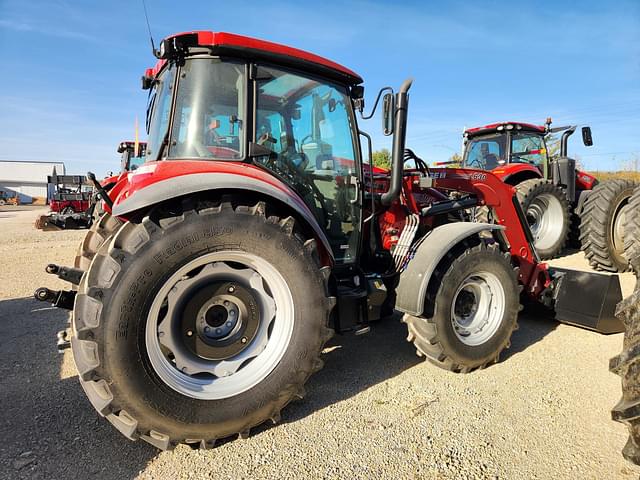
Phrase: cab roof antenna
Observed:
(156, 53)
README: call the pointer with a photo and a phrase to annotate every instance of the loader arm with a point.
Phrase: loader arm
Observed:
(500, 197)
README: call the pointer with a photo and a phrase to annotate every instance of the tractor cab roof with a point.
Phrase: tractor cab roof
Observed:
(222, 43)
(502, 126)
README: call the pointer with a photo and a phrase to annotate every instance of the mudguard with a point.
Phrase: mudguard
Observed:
(414, 280)
(157, 182)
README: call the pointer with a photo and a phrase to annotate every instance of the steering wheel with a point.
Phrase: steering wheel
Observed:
(476, 160)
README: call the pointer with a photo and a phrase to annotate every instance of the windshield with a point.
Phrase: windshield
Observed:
(208, 119)
(486, 152)
(158, 112)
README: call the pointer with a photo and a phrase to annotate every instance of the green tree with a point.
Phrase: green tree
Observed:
(382, 158)
(455, 160)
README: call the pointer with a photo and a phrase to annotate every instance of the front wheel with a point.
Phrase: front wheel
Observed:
(547, 211)
(197, 324)
(471, 310)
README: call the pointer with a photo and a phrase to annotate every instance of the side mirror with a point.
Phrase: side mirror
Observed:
(587, 139)
(388, 114)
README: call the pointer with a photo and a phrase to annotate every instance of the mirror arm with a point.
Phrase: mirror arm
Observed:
(375, 105)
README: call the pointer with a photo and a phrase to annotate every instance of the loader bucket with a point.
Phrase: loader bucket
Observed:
(587, 299)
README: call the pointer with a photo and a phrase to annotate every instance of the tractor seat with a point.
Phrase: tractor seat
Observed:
(491, 161)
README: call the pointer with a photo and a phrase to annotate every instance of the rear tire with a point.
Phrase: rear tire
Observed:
(548, 213)
(469, 281)
(132, 346)
(99, 233)
(632, 232)
(601, 230)
(627, 365)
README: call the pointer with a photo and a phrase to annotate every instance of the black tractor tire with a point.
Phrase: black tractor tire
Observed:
(434, 334)
(602, 216)
(115, 297)
(549, 215)
(100, 231)
(632, 232)
(627, 365)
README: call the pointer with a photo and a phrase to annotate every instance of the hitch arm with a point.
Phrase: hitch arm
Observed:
(58, 298)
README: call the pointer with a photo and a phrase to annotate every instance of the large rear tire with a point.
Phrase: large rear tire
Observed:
(474, 295)
(200, 322)
(627, 365)
(632, 232)
(548, 213)
(602, 227)
(99, 233)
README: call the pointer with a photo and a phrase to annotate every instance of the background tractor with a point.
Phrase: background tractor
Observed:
(132, 155)
(561, 203)
(256, 229)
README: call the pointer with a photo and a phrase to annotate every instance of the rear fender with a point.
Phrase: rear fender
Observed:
(157, 182)
(414, 280)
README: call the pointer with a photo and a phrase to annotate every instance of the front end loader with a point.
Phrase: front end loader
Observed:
(255, 230)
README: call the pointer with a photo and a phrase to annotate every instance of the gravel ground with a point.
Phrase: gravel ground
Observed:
(374, 411)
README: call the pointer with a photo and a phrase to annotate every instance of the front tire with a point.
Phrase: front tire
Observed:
(473, 303)
(155, 345)
(602, 227)
(548, 213)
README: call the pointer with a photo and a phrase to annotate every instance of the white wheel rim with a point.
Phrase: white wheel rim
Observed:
(478, 308)
(546, 220)
(207, 379)
(617, 227)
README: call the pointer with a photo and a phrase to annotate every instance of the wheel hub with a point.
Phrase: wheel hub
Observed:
(219, 325)
(477, 308)
(545, 218)
(216, 324)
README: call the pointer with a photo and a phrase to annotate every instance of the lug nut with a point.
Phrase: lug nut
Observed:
(243, 340)
(231, 289)
(206, 329)
(228, 324)
(232, 313)
(226, 303)
(189, 333)
(218, 331)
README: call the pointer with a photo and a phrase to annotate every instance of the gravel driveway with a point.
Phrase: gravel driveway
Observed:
(375, 411)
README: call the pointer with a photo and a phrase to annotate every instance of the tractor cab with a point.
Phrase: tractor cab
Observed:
(290, 113)
(133, 155)
(495, 147)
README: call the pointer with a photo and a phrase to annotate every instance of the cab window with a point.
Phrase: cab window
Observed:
(527, 148)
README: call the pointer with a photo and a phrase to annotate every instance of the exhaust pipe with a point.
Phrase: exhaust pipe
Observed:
(400, 133)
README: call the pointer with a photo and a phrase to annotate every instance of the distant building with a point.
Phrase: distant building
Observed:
(28, 179)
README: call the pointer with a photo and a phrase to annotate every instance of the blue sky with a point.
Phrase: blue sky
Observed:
(71, 77)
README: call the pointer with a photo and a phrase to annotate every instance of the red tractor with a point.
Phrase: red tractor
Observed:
(559, 200)
(132, 155)
(256, 229)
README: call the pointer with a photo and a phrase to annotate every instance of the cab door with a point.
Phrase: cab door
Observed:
(310, 129)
